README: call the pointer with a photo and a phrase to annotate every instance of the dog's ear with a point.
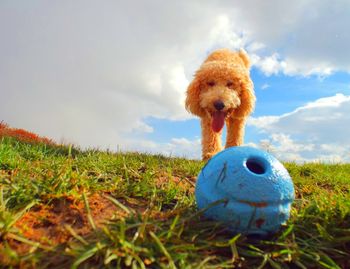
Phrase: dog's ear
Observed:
(247, 100)
(192, 98)
(245, 58)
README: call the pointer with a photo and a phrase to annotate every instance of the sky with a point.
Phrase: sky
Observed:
(113, 74)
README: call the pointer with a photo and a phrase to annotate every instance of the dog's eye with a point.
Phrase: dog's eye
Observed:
(211, 83)
(229, 84)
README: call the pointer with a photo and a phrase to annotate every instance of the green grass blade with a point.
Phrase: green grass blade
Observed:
(163, 249)
(89, 216)
(85, 256)
(118, 204)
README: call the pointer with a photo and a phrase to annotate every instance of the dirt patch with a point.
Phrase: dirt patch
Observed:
(185, 184)
(49, 224)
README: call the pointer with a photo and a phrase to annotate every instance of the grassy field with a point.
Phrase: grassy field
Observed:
(61, 207)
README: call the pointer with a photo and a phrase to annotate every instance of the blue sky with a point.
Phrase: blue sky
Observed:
(114, 74)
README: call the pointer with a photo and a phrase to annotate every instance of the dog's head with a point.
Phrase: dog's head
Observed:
(221, 88)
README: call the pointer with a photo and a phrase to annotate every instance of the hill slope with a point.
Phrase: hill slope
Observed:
(61, 207)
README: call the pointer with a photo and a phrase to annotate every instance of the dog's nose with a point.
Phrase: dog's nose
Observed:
(219, 105)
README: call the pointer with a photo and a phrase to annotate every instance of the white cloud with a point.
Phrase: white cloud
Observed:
(274, 64)
(177, 147)
(310, 36)
(255, 47)
(142, 127)
(224, 34)
(315, 131)
(265, 86)
(270, 65)
(304, 151)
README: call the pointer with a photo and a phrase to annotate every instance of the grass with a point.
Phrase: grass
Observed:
(61, 207)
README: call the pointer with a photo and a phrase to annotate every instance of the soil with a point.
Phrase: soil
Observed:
(47, 223)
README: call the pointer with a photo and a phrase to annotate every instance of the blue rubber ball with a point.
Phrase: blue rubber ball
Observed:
(247, 189)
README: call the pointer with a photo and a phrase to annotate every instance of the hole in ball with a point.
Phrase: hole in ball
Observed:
(256, 166)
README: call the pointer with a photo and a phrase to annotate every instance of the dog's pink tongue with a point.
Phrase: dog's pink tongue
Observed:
(218, 121)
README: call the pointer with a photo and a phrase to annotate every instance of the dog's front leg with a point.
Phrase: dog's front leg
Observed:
(211, 141)
(235, 132)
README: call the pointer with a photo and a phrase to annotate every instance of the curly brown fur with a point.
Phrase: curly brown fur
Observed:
(221, 92)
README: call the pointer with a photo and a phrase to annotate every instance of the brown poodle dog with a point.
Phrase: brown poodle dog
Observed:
(221, 91)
